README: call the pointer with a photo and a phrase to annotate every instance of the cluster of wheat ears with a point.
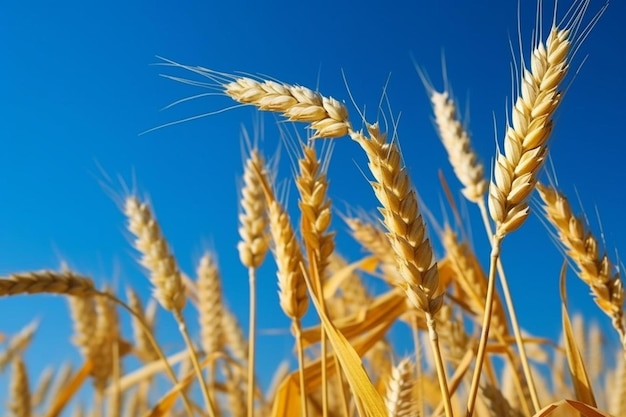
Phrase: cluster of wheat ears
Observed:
(476, 360)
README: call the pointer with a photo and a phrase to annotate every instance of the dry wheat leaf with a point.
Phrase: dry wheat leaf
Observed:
(582, 386)
(571, 405)
(332, 284)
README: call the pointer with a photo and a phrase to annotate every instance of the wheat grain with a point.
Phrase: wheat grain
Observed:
(156, 256)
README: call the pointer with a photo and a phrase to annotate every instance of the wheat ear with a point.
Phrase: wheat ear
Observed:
(455, 139)
(143, 347)
(326, 116)
(407, 234)
(156, 256)
(47, 282)
(399, 395)
(582, 247)
(17, 344)
(210, 307)
(20, 405)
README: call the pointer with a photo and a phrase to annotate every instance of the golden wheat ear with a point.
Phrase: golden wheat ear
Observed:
(593, 267)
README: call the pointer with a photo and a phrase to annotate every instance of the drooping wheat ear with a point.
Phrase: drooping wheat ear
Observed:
(326, 116)
(156, 256)
(525, 143)
(471, 280)
(253, 229)
(210, 306)
(403, 220)
(582, 247)
(233, 337)
(315, 208)
(463, 158)
(47, 282)
(143, 347)
(20, 405)
(399, 395)
(17, 344)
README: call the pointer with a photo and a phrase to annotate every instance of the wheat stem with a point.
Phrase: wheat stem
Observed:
(251, 340)
(297, 331)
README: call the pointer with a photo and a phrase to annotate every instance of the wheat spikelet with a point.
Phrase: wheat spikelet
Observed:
(47, 282)
(253, 229)
(156, 256)
(20, 405)
(315, 209)
(326, 116)
(84, 317)
(209, 303)
(401, 216)
(463, 158)
(525, 143)
(582, 247)
(143, 347)
(399, 395)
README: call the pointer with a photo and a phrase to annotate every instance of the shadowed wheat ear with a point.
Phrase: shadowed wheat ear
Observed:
(594, 269)
(47, 282)
(455, 139)
(20, 405)
(156, 256)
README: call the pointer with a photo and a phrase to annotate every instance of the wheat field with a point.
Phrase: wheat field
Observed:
(388, 305)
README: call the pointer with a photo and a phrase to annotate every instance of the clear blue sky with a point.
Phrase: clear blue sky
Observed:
(77, 87)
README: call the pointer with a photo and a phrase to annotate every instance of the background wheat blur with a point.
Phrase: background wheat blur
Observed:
(81, 218)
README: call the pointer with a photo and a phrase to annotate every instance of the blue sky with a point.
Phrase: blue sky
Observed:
(77, 87)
